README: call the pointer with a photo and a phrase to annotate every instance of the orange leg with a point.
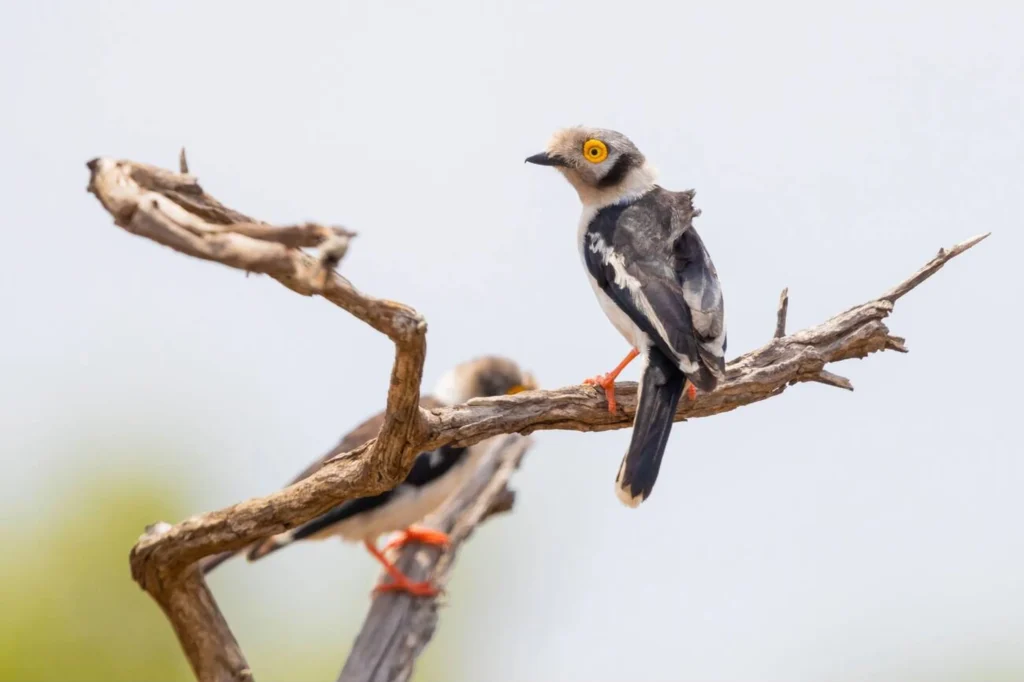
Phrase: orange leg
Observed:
(399, 581)
(691, 390)
(426, 536)
(607, 381)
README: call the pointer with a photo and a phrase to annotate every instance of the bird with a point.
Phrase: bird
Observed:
(431, 480)
(654, 280)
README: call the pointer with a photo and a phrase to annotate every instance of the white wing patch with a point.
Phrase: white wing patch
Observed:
(704, 319)
(626, 281)
(716, 346)
(409, 504)
(694, 297)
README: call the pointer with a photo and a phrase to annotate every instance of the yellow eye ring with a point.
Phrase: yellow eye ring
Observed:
(595, 151)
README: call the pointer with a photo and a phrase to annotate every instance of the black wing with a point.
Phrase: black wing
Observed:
(359, 435)
(648, 259)
(428, 467)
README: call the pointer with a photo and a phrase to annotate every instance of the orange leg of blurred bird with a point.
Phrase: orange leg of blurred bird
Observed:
(607, 381)
(426, 536)
(691, 390)
(399, 581)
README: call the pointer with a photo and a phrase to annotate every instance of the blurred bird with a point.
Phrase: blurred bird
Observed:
(433, 477)
(654, 280)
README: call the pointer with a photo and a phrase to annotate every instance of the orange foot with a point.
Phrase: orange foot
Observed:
(691, 391)
(607, 381)
(426, 536)
(399, 581)
(423, 589)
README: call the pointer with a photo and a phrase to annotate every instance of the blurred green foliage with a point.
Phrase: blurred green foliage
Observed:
(70, 608)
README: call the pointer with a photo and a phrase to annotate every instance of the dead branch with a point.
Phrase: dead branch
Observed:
(173, 210)
(205, 637)
(780, 316)
(399, 626)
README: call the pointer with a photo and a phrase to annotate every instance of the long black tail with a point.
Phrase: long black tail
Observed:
(269, 545)
(256, 551)
(209, 563)
(661, 387)
(259, 549)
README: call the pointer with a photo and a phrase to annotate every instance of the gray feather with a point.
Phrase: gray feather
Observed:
(649, 259)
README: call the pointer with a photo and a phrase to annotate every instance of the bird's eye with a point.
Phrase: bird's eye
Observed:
(595, 151)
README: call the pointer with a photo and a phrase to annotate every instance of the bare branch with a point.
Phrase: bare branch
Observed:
(182, 162)
(502, 503)
(399, 626)
(896, 343)
(211, 649)
(828, 378)
(933, 266)
(294, 236)
(780, 316)
(332, 251)
(750, 378)
(173, 210)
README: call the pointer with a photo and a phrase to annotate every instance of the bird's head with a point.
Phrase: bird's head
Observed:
(602, 165)
(483, 377)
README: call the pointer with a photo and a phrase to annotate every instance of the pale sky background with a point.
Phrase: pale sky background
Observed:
(873, 535)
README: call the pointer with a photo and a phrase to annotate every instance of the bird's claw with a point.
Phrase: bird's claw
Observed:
(426, 536)
(416, 589)
(607, 382)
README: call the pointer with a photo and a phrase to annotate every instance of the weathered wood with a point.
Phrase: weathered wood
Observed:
(398, 626)
(209, 645)
(780, 315)
(172, 209)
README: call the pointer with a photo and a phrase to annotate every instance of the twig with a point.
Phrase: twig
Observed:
(828, 378)
(398, 626)
(931, 267)
(780, 316)
(173, 210)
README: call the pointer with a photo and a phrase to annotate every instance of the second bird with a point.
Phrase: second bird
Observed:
(431, 480)
(654, 280)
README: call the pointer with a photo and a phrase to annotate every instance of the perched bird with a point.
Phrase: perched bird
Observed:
(433, 477)
(654, 280)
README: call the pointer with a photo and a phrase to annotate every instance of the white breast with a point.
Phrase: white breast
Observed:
(635, 336)
(409, 504)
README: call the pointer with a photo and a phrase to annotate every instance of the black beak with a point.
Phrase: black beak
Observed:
(545, 159)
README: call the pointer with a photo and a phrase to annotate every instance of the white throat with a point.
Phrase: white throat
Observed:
(450, 390)
(638, 181)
